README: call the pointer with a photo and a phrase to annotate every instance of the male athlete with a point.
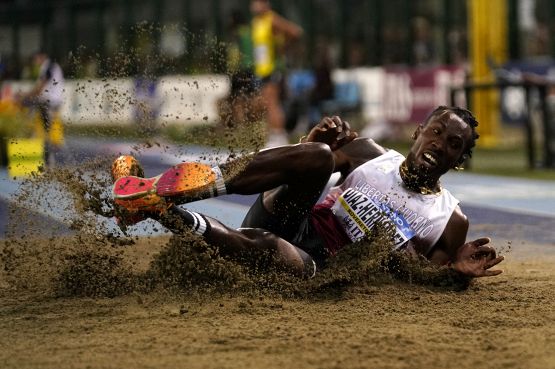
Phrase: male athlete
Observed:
(376, 186)
(270, 33)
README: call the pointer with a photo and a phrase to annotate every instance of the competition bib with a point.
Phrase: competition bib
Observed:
(358, 214)
(262, 54)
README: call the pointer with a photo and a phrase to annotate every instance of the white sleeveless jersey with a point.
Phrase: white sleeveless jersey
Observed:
(53, 91)
(374, 192)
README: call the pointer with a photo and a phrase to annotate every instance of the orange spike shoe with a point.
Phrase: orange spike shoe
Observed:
(181, 183)
(190, 182)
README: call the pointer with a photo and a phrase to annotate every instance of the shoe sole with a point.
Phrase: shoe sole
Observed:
(136, 194)
(131, 187)
(182, 180)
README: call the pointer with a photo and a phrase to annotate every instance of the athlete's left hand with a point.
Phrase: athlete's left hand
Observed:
(476, 258)
(332, 131)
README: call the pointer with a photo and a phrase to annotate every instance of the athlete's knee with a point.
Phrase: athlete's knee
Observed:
(259, 239)
(281, 251)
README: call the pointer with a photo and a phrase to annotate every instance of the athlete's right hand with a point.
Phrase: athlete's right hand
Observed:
(332, 131)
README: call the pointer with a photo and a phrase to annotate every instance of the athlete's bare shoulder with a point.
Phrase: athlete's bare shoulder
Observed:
(356, 153)
(365, 148)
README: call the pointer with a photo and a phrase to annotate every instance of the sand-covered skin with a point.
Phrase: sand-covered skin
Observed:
(504, 322)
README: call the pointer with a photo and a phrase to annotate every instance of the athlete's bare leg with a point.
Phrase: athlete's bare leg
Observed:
(306, 167)
(245, 243)
(276, 118)
(292, 178)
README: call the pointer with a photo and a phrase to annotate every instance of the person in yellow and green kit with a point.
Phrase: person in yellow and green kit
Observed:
(270, 32)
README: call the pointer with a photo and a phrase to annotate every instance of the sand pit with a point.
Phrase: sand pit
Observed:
(506, 321)
(88, 299)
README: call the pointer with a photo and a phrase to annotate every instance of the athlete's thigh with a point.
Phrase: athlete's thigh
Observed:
(270, 92)
(261, 218)
(282, 210)
(293, 202)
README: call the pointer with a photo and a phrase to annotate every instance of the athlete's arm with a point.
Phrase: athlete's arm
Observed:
(472, 259)
(453, 236)
(349, 151)
(41, 83)
(36, 90)
(285, 27)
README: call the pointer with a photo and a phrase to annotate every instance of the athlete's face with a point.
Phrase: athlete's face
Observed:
(38, 59)
(259, 6)
(439, 144)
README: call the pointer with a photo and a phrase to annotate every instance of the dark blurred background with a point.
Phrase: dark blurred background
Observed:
(360, 32)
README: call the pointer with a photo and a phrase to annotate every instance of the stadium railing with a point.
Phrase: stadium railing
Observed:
(529, 85)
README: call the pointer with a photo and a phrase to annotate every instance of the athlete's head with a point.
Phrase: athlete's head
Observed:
(39, 57)
(466, 117)
(443, 141)
(260, 6)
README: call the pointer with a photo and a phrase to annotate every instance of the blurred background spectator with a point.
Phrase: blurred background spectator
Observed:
(46, 98)
(364, 32)
(410, 51)
(238, 107)
(423, 47)
(271, 34)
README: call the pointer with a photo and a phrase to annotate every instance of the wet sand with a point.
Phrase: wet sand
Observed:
(501, 322)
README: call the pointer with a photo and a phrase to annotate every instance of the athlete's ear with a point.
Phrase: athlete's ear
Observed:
(458, 165)
(416, 133)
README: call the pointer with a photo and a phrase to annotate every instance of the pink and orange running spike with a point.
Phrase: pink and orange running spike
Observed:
(155, 194)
